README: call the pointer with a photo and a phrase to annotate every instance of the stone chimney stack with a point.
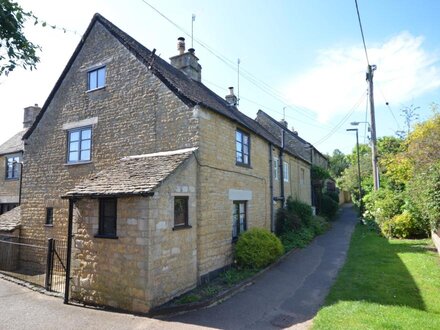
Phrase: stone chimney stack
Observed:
(30, 114)
(187, 62)
(231, 98)
(284, 123)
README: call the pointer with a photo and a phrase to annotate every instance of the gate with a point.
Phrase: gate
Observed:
(39, 262)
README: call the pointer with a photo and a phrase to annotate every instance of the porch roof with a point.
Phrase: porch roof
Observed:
(132, 175)
(10, 220)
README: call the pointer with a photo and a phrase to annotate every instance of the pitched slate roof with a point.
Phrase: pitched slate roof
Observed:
(133, 175)
(14, 144)
(292, 134)
(191, 92)
(10, 220)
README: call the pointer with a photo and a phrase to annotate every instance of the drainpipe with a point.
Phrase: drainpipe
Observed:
(282, 198)
(272, 218)
(69, 250)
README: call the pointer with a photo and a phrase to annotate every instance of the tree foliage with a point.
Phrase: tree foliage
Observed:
(338, 162)
(15, 48)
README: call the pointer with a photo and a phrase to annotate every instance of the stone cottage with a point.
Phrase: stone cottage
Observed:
(151, 173)
(11, 155)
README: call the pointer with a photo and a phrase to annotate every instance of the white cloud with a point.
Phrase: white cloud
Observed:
(404, 71)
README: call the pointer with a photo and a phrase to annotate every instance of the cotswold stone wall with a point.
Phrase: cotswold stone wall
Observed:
(8, 188)
(221, 182)
(150, 262)
(135, 113)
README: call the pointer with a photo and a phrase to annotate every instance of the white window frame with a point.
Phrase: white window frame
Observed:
(276, 168)
(286, 171)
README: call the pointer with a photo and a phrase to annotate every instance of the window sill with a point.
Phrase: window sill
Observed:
(243, 165)
(181, 227)
(12, 179)
(78, 163)
(106, 236)
(95, 89)
(48, 225)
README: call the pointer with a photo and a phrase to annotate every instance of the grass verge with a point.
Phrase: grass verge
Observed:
(384, 284)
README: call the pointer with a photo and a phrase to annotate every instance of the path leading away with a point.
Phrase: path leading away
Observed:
(291, 293)
(288, 295)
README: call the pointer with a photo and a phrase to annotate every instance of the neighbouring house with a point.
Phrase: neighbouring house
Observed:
(306, 156)
(156, 174)
(11, 155)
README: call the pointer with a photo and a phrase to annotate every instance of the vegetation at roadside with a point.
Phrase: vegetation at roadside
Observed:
(407, 204)
(384, 284)
(296, 226)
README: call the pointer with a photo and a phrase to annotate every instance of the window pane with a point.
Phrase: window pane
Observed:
(86, 134)
(74, 146)
(180, 211)
(246, 159)
(107, 217)
(245, 139)
(238, 136)
(239, 146)
(93, 83)
(101, 77)
(73, 156)
(239, 156)
(85, 145)
(74, 136)
(246, 149)
(85, 155)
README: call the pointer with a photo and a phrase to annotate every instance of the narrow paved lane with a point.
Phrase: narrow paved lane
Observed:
(290, 294)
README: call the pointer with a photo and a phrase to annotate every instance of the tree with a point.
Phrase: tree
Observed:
(15, 48)
(337, 163)
(410, 115)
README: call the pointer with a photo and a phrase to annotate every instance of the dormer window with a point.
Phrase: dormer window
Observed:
(96, 78)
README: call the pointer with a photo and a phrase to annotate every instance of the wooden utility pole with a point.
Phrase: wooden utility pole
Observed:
(371, 69)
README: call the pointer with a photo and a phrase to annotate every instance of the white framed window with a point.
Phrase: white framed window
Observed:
(276, 168)
(96, 78)
(286, 171)
(79, 145)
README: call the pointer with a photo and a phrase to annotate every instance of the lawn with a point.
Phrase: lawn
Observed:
(385, 284)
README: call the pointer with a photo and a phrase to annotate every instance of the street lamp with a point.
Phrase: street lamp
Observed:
(359, 164)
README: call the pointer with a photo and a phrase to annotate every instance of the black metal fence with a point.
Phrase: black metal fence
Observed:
(36, 261)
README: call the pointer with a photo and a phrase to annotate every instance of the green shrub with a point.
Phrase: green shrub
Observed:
(329, 207)
(300, 209)
(333, 195)
(319, 225)
(285, 221)
(257, 248)
(402, 226)
(297, 239)
(384, 204)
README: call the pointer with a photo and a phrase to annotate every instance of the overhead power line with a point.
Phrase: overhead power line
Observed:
(362, 31)
(263, 86)
(343, 120)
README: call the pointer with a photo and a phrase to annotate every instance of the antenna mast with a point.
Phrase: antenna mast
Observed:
(192, 30)
(238, 81)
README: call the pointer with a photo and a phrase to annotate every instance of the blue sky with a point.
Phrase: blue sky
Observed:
(305, 56)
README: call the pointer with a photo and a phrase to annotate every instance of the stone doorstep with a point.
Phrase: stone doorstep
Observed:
(162, 311)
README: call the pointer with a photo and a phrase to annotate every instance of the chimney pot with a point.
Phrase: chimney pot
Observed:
(181, 45)
(231, 98)
(191, 50)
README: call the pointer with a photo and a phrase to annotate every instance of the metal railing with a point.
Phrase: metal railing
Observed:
(35, 261)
